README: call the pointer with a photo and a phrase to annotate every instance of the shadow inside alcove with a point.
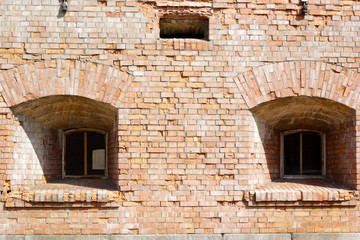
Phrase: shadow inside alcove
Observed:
(39, 140)
(335, 120)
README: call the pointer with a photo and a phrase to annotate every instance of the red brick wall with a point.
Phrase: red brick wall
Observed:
(7, 145)
(264, 157)
(186, 152)
(341, 153)
(113, 155)
(37, 153)
(224, 219)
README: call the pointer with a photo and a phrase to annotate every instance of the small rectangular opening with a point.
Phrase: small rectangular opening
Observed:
(195, 28)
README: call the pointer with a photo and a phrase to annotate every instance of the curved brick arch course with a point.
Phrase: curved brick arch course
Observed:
(300, 78)
(64, 77)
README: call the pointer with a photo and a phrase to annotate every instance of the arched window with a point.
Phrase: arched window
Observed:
(302, 154)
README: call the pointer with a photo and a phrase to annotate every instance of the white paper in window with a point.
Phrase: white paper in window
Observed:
(98, 159)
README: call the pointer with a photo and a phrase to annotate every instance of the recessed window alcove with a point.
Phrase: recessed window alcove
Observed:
(62, 143)
(307, 141)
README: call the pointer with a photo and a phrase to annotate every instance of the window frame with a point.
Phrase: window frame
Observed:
(323, 155)
(71, 131)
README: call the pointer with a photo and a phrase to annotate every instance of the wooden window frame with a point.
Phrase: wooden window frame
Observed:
(323, 155)
(84, 130)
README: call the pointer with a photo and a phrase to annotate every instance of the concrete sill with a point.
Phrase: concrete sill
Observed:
(302, 192)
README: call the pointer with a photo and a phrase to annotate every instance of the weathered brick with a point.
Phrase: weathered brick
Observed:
(194, 126)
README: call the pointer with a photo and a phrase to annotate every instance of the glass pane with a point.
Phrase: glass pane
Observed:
(292, 154)
(312, 154)
(95, 143)
(74, 154)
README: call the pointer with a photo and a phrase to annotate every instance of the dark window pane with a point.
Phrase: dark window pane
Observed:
(311, 154)
(292, 154)
(74, 154)
(95, 141)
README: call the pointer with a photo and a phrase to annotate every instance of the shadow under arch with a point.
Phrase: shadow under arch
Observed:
(335, 120)
(66, 112)
(39, 135)
(303, 112)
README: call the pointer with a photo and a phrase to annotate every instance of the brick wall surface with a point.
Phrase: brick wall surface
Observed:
(194, 126)
(37, 153)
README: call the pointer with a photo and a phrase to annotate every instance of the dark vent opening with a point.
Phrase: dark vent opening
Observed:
(197, 28)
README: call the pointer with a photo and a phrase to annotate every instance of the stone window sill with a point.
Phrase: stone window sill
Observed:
(302, 192)
(67, 193)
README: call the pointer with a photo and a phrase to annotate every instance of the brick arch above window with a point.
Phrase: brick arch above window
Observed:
(299, 78)
(64, 77)
(306, 96)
